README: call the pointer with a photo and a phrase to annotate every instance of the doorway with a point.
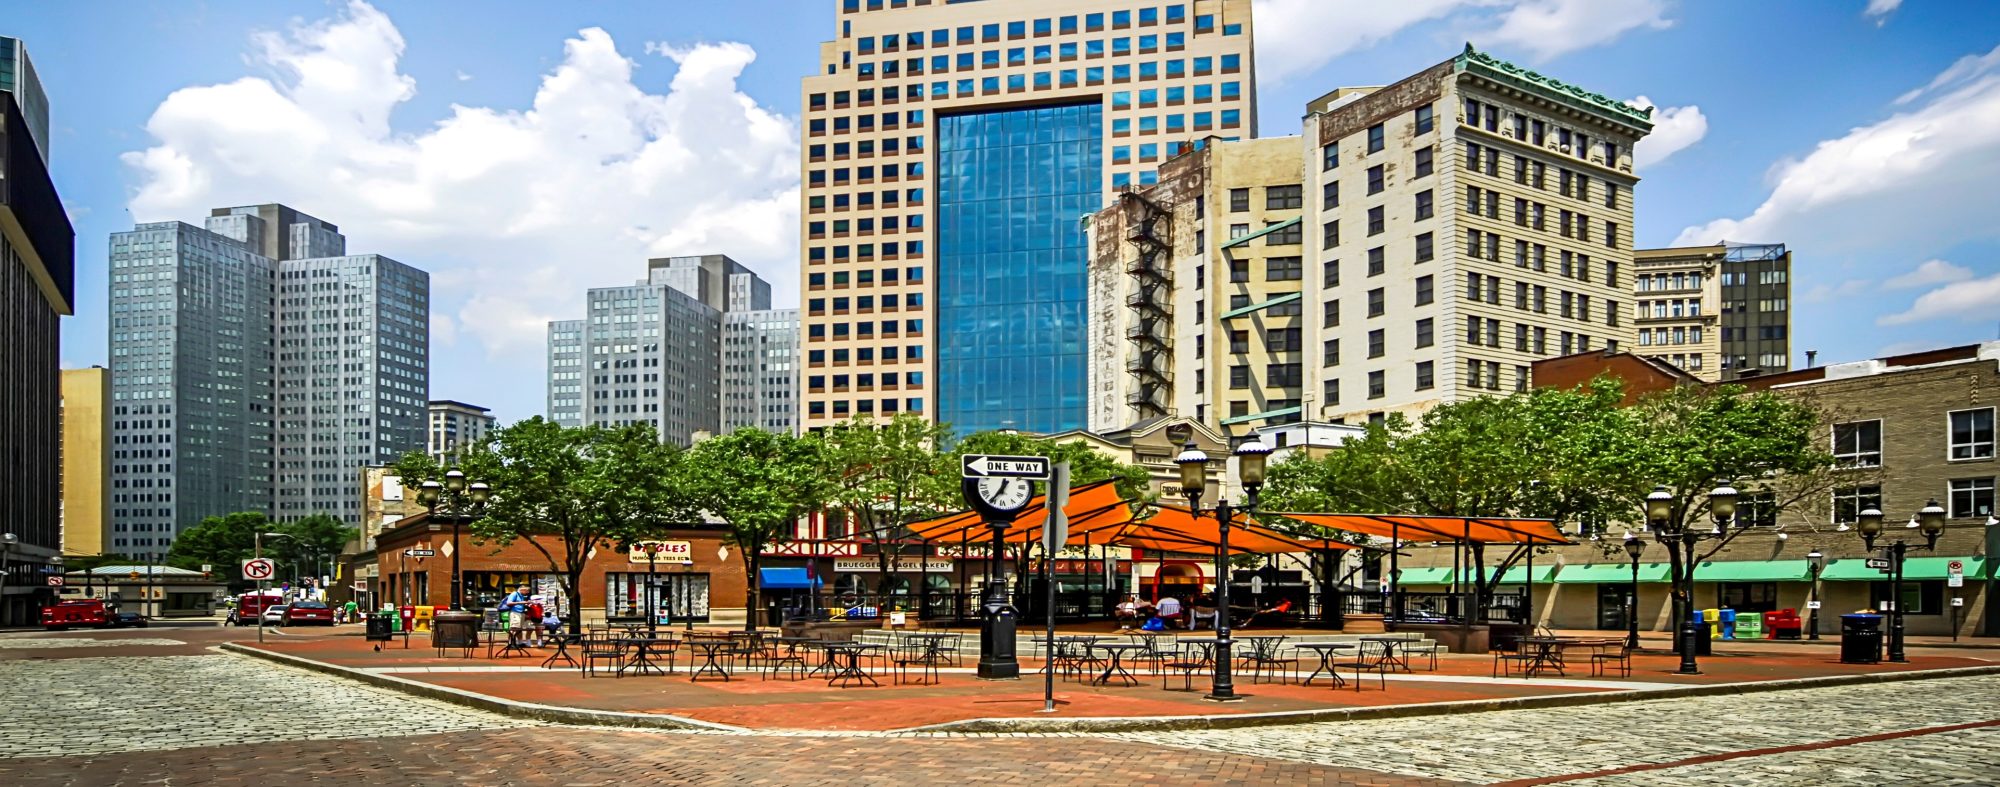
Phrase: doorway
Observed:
(1613, 604)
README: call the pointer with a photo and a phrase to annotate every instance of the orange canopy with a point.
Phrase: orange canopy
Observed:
(1469, 530)
(1095, 512)
(1176, 529)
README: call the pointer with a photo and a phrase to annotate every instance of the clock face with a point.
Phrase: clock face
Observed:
(1005, 494)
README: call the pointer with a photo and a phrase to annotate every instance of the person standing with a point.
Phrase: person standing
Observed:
(515, 607)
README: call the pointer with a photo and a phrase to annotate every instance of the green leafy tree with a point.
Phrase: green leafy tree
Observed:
(311, 540)
(223, 542)
(568, 491)
(759, 484)
(886, 474)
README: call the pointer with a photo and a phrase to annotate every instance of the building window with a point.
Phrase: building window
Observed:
(1329, 156)
(1744, 597)
(1282, 269)
(1920, 597)
(1858, 443)
(1288, 236)
(1376, 388)
(1375, 179)
(1329, 195)
(1283, 375)
(1425, 290)
(1283, 340)
(1426, 375)
(1425, 332)
(1330, 353)
(1971, 497)
(1281, 197)
(1375, 343)
(1849, 502)
(1425, 121)
(1424, 208)
(1239, 200)
(1375, 138)
(1239, 342)
(1426, 247)
(1972, 434)
(1239, 271)
(1378, 261)
(1375, 302)
(1239, 377)
(1377, 221)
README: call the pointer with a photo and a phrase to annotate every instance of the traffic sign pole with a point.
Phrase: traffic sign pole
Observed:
(1055, 533)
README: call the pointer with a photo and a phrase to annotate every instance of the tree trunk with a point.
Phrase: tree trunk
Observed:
(575, 593)
(753, 589)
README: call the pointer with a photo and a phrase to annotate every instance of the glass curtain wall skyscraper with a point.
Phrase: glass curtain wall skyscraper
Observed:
(1013, 121)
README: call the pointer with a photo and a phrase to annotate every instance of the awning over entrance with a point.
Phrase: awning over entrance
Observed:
(786, 579)
(1441, 575)
(1752, 571)
(1611, 573)
(1472, 530)
(1854, 569)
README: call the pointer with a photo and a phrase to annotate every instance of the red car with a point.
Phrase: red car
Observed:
(80, 612)
(302, 612)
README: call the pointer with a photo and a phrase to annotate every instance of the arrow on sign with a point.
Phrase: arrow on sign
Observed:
(259, 568)
(421, 553)
(1881, 563)
(984, 466)
(55, 580)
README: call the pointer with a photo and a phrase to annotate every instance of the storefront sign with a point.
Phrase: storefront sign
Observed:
(661, 552)
(904, 565)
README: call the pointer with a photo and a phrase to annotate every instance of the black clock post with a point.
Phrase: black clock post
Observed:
(997, 659)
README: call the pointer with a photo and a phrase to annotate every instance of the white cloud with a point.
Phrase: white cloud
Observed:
(1929, 273)
(1296, 37)
(1917, 183)
(1548, 28)
(1972, 299)
(1821, 293)
(1964, 68)
(462, 76)
(515, 211)
(1674, 129)
(1879, 10)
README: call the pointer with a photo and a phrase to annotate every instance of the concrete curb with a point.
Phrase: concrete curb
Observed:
(505, 707)
(1234, 721)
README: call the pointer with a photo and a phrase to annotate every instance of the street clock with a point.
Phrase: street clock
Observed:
(999, 499)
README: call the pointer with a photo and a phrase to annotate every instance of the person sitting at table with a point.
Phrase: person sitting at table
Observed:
(1202, 613)
(1127, 612)
(1170, 611)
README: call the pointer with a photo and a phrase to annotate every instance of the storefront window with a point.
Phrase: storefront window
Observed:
(1920, 596)
(1750, 596)
(486, 589)
(674, 597)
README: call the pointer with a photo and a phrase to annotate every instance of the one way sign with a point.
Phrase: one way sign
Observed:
(985, 466)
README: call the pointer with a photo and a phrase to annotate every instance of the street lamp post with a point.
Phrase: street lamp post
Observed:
(1250, 458)
(1931, 519)
(1673, 531)
(1633, 548)
(460, 503)
(1816, 561)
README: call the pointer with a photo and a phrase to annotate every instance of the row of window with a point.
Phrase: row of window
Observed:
(1663, 336)
(866, 277)
(1968, 497)
(866, 252)
(1969, 435)
(866, 355)
(866, 303)
(1537, 132)
(1479, 374)
(865, 382)
(1669, 281)
(843, 408)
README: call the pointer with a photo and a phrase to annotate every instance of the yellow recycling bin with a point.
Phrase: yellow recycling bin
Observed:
(1713, 617)
(423, 619)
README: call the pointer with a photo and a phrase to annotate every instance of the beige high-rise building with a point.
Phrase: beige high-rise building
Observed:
(1677, 305)
(1195, 290)
(949, 151)
(1466, 221)
(86, 460)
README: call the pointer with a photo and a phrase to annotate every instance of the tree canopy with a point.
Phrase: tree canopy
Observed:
(224, 542)
(759, 484)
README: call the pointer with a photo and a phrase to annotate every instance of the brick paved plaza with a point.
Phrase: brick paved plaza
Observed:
(169, 709)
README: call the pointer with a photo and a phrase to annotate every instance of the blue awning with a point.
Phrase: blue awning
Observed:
(786, 579)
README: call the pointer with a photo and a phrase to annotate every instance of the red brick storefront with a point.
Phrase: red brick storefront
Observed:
(709, 587)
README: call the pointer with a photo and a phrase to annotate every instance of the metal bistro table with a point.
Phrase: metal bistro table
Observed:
(1116, 666)
(1390, 657)
(563, 641)
(846, 658)
(1547, 654)
(711, 650)
(791, 656)
(642, 654)
(1326, 651)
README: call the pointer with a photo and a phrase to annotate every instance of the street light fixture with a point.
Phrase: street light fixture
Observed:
(1929, 519)
(1672, 531)
(1251, 456)
(1634, 547)
(1816, 561)
(459, 503)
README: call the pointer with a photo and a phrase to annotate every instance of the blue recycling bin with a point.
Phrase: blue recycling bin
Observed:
(1728, 624)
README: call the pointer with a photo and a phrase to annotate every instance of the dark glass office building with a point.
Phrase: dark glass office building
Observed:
(1012, 186)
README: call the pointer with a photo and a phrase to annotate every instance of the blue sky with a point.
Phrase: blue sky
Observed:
(525, 151)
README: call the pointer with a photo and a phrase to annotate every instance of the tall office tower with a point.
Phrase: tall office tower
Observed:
(566, 355)
(454, 428)
(37, 280)
(1195, 291)
(1005, 123)
(248, 382)
(86, 459)
(18, 77)
(654, 351)
(1720, 312)
(1468, 220)
(759, 373)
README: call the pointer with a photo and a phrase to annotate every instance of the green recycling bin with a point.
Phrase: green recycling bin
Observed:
(1749, 625)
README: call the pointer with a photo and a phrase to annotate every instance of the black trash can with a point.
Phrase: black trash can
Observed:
(1860, 639)
(379, 629)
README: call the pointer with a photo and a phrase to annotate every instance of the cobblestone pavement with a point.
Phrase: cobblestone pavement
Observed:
(1567, 742)
(114, 704)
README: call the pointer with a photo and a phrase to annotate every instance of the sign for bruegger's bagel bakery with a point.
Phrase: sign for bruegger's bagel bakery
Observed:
(904, 565)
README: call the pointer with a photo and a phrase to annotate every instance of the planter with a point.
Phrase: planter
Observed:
(1362, 623)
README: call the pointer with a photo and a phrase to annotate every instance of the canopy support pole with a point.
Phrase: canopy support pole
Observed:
(1395, 572)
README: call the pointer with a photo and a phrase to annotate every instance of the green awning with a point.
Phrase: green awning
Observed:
(1441, 575)
(1285, 298)
(1283, 411)
(1751, 571)
(1245, 240)
(1611, 573)
(1854, 569)
(1438, 575)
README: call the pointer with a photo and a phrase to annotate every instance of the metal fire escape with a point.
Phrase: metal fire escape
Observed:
(1149, 228)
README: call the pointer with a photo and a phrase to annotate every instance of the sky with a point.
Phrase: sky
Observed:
(523, 152)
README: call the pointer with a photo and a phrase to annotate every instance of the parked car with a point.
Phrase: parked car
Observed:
(121, 620)
(302, 612)
(274, 615)
(250, 606)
